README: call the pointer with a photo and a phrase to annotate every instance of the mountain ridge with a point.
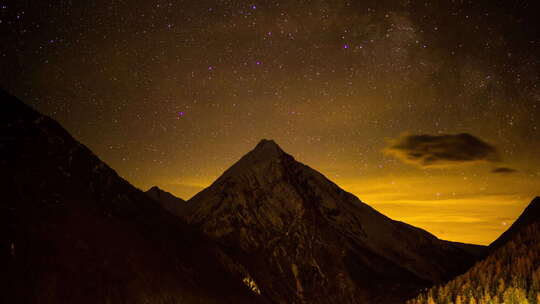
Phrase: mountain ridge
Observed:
(73, 231)
(290, 216)
(168, 201)
(269, 222)
(530, 214)
(510, 273)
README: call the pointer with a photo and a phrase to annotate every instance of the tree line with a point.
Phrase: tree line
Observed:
(509, 275)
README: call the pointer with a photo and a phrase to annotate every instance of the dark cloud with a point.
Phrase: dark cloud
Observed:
(442, 150)
(503, 170)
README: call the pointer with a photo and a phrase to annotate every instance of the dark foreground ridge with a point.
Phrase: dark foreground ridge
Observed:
(73, 231)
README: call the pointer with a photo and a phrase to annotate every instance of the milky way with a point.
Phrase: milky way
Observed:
(171, 93)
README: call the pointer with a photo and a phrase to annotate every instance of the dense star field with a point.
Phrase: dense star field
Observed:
(428, 111)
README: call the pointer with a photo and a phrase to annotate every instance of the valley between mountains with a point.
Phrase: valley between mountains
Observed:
(269, 230)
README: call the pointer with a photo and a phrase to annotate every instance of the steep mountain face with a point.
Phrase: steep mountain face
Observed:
(302, 239)
(169, 202)
(530, 215)
(73, 231)
(509, 274)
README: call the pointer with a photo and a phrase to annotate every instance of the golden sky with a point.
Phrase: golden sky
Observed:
(171, 93)
(469, 204)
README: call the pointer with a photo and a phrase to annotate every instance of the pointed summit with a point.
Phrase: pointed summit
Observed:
(267, 143)
(267, 149)
(308, 240)
(167, 200)
(258, 161)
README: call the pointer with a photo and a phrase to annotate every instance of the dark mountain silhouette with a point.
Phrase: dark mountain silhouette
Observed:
(530, 215)
(302, 239)
(168, 201)
(73, 231)
(509, 274)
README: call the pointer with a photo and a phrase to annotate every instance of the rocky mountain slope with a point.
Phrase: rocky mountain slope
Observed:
(168, 201)
(73, 231)
(509, 274)
(302, 239)
(530, 215)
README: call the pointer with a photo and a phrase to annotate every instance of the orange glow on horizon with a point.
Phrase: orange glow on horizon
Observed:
(452, 207)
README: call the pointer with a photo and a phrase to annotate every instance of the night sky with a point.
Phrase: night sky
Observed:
(428, 111)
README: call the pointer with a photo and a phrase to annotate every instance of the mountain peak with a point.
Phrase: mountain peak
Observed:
(267, 148)
(290, 219)
(167, 200)
(257, 160)
(265, 141)
(156, 189)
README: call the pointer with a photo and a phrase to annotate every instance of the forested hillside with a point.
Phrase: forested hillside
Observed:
(510, 275)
